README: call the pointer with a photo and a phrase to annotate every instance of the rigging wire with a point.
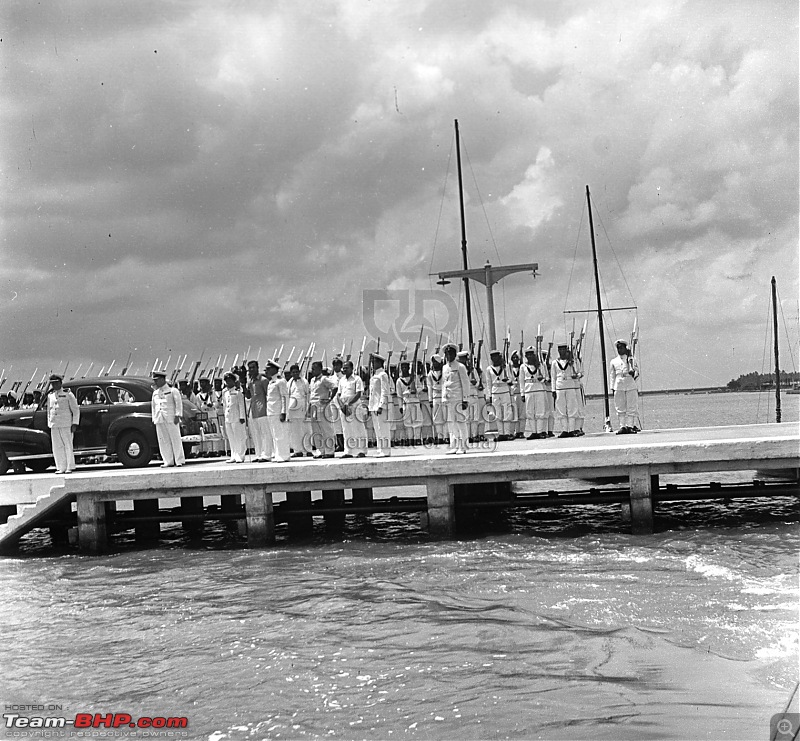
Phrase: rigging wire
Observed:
(611, 247)
(574, 256)
(441, 206)
(786, 332)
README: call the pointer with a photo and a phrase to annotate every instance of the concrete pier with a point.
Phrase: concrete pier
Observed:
(453, 484)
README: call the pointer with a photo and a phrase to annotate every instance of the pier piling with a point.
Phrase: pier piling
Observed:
(642, 483)
(260, 516)
(92, 532)
(441, 508)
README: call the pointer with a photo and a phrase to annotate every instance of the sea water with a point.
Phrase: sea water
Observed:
(561, 625)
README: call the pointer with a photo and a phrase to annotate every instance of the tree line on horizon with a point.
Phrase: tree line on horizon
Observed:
(755, 381)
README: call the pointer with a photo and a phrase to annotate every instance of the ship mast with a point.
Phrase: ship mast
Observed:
(599, 315)
(463, 239)
(777, 366)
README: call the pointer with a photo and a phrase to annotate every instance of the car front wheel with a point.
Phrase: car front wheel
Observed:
(133, 449)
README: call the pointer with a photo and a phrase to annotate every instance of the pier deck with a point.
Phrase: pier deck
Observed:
(641, 458)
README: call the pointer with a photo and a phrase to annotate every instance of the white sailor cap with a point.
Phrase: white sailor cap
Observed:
(272, 364)
(449, 346)
(530, 350)
(621, 342)
(158, 373)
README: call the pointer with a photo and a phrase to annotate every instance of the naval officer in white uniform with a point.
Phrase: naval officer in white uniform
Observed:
(167, 410)
(63, 418)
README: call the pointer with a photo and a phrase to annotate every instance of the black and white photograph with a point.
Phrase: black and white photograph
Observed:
(419, 370)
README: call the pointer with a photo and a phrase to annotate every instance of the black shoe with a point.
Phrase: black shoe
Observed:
(565, 434)
(532, 436)
(578, 433)
(549, 434)
(347, 455)
(361, 455)
(624, 431)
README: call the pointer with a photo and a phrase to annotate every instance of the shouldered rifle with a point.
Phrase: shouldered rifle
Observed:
(76, 372)
(30, 381)
(413, 383)
(478, 364)
(579, 343)
(361, 354)
(110, 367)
(127, 364)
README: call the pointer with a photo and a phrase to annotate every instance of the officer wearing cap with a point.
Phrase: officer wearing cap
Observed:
(300, 432)
(235, 418)
(256, 391)
(167, 409)
(63, 418)
(623, 376)
(380, 399)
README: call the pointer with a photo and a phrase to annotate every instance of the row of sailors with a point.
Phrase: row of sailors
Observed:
(292, 416)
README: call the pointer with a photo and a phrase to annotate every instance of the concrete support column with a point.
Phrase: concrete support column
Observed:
(298, 525)
(641, 487)
(334, 498)
(150, 531)
(260, 516)
(441, 508)
(192, 506)
(92, 535)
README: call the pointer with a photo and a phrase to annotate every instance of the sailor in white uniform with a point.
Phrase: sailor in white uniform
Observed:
(455, 399)
(167, 410)
(322, 389)
(565, 380)
(623, 377)
(63, 418)
(435, 393)
(380, 399)
(497, 387)
(535, 391)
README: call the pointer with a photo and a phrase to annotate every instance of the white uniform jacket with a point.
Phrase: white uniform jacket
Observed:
(621, 379)
(380, 391)
(62, 409)
(233, 403)
(167, 404)
(455, 383)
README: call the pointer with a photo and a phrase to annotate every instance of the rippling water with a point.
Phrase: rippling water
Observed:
(559, 625)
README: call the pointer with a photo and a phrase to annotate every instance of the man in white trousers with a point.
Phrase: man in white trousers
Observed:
(624, 372)
(235, 418)
(380, 398)
(455, 399)
(167, 410)
(63, 418)
(277, 407)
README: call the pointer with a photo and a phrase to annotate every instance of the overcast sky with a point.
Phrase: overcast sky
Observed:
(181, 176)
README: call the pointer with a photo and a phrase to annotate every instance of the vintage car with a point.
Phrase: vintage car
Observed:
(115, 422)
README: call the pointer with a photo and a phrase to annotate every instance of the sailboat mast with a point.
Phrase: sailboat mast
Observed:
(599, 314)
(777, 366)
(463, 237)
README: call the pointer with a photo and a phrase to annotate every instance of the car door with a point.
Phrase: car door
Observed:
(93, 428)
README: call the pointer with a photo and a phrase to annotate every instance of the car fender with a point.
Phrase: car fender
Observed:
(23, 441)
(136, 421)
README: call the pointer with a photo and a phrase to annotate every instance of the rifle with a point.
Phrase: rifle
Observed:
(521, 346)
(439, 346)
(478, 364)
(288, 360)
(127, 364)
(194, 371)
(76, 372)
(350, 351)
(30, 382)
(579, 343)
(361, 354)
(413, 383)
(634, 337)
(110, 366)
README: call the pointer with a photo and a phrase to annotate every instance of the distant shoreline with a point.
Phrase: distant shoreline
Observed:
(701, 390)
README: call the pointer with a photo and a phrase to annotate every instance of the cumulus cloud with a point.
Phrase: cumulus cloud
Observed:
(226, 175)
